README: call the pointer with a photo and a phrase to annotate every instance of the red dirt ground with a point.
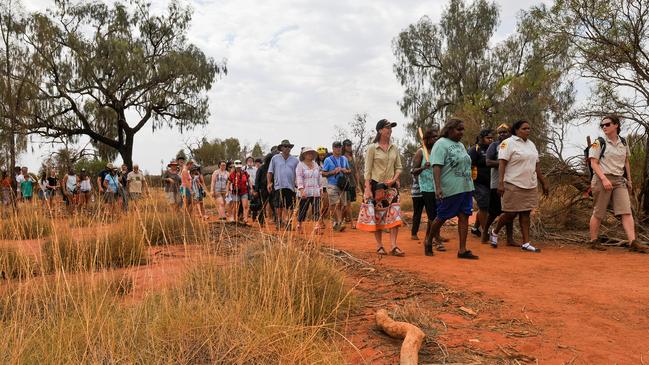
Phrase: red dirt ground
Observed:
(592, 307)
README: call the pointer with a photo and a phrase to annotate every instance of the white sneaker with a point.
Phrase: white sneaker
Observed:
(493, 239)
(528, 247)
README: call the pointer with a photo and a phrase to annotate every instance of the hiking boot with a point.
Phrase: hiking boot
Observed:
(428, 249)
(595, 245)
(635, 246)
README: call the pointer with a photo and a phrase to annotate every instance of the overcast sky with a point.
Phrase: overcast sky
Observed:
(295, 68)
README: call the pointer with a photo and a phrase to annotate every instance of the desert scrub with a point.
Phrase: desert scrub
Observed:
(224, 314)
(169, 227)
(28, 225)
(120, 247)
(14, 265)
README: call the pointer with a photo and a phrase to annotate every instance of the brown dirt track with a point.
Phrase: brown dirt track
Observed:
(590, 307)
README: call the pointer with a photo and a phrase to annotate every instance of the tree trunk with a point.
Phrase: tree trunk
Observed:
(12, 146)
(645, 182)
(126, 151)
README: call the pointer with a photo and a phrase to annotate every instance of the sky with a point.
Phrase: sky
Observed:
(296, 69)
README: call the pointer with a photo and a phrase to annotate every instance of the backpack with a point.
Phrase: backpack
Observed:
(602, 143)
(342, 182)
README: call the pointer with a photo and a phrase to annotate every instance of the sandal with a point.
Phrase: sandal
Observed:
(396, 251)
(467, 255)
(381, 251)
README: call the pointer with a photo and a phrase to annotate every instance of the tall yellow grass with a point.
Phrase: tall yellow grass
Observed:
(274, 302)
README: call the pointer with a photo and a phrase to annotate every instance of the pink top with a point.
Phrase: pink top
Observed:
(186, 178)
(308, 179)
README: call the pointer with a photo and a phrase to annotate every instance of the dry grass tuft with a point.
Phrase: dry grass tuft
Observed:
(275, 305)
(14, 265)
(26, 226)
(120, 247)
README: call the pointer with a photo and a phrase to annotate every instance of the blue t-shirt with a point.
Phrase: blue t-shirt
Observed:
(331, 163)
(113, 184)
(456, 166)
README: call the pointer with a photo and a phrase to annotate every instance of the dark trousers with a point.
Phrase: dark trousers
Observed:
(303, 208)
(418, 209)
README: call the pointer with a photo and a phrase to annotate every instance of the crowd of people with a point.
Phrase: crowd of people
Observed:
(500, 172)
(116, 187)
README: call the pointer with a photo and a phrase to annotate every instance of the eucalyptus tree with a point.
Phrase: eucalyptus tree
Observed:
(111, 70)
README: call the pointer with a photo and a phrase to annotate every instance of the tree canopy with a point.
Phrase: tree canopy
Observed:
(109, 71)
(451, 68)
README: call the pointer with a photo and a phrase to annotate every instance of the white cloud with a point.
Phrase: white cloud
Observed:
(296, 68)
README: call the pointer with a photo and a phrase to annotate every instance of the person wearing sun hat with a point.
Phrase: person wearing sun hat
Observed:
(172, 181)
(281, 183)
(307, 174)
(323, 153)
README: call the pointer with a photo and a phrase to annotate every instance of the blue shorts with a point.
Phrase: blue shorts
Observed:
(455, 205)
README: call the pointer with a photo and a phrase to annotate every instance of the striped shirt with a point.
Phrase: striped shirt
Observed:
(308, 179)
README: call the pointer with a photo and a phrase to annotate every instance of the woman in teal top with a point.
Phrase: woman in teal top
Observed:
(453, 182)
(424, 174)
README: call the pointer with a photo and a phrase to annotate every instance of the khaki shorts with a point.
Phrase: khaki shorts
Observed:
(336, 196)
(618, 197)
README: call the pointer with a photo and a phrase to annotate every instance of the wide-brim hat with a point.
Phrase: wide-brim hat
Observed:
(110, 166)
(308, 149)
(286, 143)
(172, 164)
(237, 163)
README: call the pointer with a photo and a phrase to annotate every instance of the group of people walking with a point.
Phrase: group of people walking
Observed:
(503, 177)
(74, 190)
(501, 172)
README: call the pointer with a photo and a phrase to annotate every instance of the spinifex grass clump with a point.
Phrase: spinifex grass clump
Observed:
(169, 227)
(121, 246)
(30, 223)
(278, 305)
(14, 265)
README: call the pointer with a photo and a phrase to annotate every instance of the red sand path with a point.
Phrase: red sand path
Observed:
(593, 307)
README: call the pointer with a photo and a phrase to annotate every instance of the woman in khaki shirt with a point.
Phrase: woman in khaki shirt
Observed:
(383, 165)
(609, 185)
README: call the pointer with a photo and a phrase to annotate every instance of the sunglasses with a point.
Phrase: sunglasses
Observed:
(605, 125)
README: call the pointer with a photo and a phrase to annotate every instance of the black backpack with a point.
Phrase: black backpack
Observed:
(602, 143)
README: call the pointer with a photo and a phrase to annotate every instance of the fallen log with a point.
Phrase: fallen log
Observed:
(411, 334)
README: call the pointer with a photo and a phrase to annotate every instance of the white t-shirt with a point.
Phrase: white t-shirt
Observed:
(135, 181)
(19, 179)
(521, 157)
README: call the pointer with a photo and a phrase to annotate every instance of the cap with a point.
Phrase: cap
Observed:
(384, 123)
(347, 142)
(336, 144)
(110, 166)
(237, 163)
